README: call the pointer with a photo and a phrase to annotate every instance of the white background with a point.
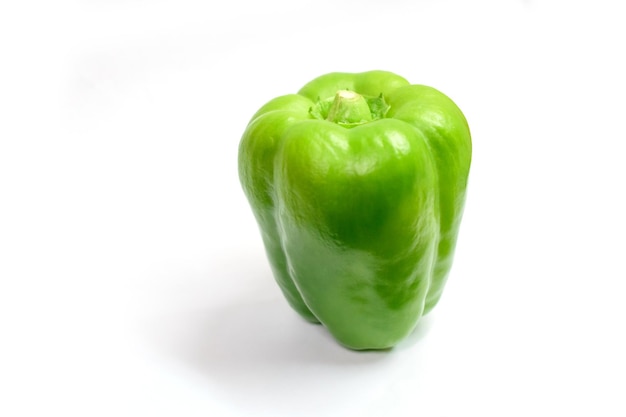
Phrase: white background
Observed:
(133, 281)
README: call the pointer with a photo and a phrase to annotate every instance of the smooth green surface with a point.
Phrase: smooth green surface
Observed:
(359, 213)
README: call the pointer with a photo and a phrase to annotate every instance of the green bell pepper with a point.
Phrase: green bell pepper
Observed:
(358, 185)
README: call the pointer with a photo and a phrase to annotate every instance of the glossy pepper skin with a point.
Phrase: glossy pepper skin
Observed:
(358, 185)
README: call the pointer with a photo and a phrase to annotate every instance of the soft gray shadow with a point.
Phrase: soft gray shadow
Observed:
(260, 355)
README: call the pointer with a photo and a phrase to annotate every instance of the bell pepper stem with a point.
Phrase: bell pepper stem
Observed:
(349, 108)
